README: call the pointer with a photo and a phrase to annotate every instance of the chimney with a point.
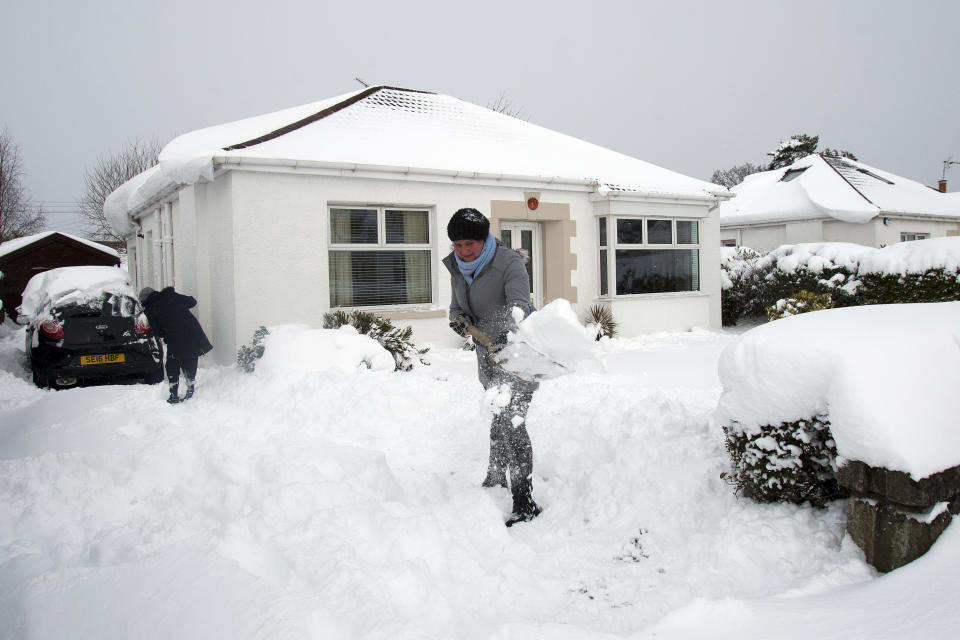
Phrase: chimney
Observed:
(942, 186)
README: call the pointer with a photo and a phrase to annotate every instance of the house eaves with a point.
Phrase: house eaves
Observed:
(598, 191)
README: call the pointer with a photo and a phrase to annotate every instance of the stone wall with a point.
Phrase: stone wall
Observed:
(893, 517)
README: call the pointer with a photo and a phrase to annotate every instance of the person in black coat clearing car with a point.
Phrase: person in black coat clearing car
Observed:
(169, 315)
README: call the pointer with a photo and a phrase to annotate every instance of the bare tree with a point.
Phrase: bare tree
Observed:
(18, 217)
(733, 176)
(106, 176)
(504, 106)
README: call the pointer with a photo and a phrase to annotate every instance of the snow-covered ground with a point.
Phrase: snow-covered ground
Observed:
(315, 498)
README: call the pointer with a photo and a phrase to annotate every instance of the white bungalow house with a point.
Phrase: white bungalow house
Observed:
(825, 199)
(344, 203)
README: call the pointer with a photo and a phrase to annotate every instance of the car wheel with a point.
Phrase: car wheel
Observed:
(153, 378)
(39, 380)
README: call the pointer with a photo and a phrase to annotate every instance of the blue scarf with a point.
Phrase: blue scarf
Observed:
(471, 270)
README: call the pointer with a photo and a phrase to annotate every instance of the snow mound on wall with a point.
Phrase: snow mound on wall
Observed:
(868, 368)
(914, 257)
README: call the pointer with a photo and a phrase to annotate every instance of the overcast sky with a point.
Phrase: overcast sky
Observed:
(691, 86)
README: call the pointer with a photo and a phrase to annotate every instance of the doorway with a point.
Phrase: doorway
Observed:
(525, 238)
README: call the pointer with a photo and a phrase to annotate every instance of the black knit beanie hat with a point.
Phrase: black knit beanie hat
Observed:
(468, 224)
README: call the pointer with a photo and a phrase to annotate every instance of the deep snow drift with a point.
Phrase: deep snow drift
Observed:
(325, 496)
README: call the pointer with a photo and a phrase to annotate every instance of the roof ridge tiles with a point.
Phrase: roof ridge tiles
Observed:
(318, 116)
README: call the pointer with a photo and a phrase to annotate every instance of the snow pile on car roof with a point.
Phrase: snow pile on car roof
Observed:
(73, 284)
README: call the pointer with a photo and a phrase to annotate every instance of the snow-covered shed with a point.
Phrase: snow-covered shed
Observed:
(343, 203)
(23, 258)
(826, 199)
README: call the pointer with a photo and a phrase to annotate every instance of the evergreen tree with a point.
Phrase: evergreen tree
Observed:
(837, 153)
(789, 151)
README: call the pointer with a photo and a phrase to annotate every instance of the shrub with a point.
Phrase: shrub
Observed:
(803, 302)
(933, 285)
(792, 462)
(399, 342)
(600, 320)
(742, 282)
(752, 282)
(247, 356)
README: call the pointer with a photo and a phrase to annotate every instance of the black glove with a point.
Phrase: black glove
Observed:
(460, 327)
(497, 344)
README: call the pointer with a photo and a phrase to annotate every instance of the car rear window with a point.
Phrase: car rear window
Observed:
(108, 304)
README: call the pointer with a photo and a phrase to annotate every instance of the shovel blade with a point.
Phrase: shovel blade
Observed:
(527, 363)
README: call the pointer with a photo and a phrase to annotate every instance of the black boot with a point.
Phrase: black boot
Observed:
(523, 512)
(524, 508)
(174, 393)
(189, 393)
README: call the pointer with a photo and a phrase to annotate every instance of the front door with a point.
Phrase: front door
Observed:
(524, 237)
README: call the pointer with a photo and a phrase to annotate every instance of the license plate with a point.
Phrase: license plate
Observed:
(102, 358)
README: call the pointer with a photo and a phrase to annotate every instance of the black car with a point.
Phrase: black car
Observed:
(97, 333)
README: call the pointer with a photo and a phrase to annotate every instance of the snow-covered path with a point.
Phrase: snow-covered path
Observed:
(317, 504)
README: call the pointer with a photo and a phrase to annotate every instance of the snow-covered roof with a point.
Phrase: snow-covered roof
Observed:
(16, 244)
(417, 131)
(818, 187)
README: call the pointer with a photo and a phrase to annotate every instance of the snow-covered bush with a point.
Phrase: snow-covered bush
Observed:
(853, 275)
(802, 302)
(247, 356)
(399, 342)
(933, 285)
(790, 462)
(742, 281)
(599, 319)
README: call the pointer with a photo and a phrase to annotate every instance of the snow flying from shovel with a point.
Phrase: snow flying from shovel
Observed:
(547, 344)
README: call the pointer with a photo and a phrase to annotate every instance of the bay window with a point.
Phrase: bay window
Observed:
(379, 256)
(649, 255)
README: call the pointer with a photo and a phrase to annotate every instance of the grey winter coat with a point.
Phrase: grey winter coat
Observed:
(487, 302)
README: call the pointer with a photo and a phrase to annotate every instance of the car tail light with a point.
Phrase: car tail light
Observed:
(142, 325)
(51, 328)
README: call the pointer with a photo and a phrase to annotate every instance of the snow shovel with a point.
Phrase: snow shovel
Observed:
(518, 358)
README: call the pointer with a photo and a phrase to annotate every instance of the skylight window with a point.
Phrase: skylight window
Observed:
(873, 175)
(792, 174)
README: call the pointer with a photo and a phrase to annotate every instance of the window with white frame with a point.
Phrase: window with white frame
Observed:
(643, 255)
(907, 237)
(379, 256)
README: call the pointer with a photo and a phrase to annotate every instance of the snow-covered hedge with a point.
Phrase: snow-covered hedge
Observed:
(852, 274)
(875, 384)
(790, 462)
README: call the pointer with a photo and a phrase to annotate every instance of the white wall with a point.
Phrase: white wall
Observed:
(874, 233)
(807, 231)
(836, 231)
(185, 241)
(764, 238)
(216, 254)
(889, 233)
